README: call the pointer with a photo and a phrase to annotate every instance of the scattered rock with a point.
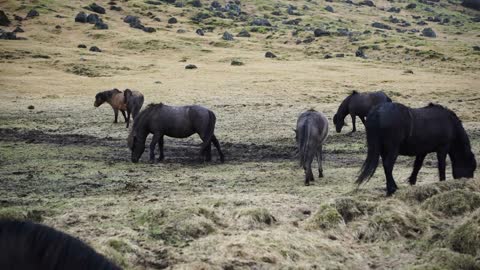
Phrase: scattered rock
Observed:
(82, 46)
(31, 107)
(18, 29)
(422, 23)
(236, 63)
(96, 8)
(181, 31)
(291, 10)
(244, 33)
(93, 19)
(190, 66)
(339, 55)
(320, 32)
(367, 3)
(381, 26)
(411, 6)
(196, 3)
(101, 25)
(16, 17)
(9, 36)
(394, 10)
(115, 8)
(360, 53)
(157, 19)
(309, 39)
(4, 21)
(476, 48)
(329, 9)
(270, 55)
(227, 36)
(428, 32)
(131, 19)
(473, 4)
(172, 20)
(200, 32)
(32, 13)
(408, 71)
(292, 22)
(149, 29)
(81, 17)
(328, 56)
(216, 5)
(261, 22)
(95, 49)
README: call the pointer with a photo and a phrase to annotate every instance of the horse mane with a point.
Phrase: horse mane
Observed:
(143, 115)
(343, 108)
(24, 244)
(462, 137)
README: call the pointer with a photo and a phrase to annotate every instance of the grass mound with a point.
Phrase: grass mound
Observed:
(466, 237)
(177, 227)
(12, 214)
(418, 193)
(446, 259)
(350, 208)
(254, 218)
(393, 220)
(453, 203)
(326, 217)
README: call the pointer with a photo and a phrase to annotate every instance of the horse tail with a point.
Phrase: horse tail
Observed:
(210, 129)
(304, 138)
(373, 143)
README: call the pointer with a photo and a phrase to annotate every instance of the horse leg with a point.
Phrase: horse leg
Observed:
(363, 120)
(208, 152)
(353, 123)
(388, 158)
(416, 168)
(441, 157)
(217, 145)
(128, 118)
(319, 160)
(124, 115)
(160, 148)
(115, 111)
(155, 139)
(308, 171)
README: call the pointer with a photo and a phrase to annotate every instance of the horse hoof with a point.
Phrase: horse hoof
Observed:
(307, 184)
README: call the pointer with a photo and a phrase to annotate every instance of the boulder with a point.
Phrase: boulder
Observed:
(95, 49)
(227, 36)
(473, 4)
(149, 29)
(190, 66)
(261, 22)
(82, 46)
(270, 55)
(411, 6)
(18, 29)
(200, 32)
(172, 20)
(101, 25)
(428, 32)
(4, 21)
(367, 3)
(115, 8)
(81, 17)
(329, 9)
(93, 19)
(244, 33)
(381, 26)
(96, 8)
(320, 32)
(32, 13)
(196, 3)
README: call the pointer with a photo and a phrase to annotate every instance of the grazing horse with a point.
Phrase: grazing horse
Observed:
(30, 246)
(357, 104)
(176, 122)
(311, 132)
(115, 98)
(394, 129)
(134, 101)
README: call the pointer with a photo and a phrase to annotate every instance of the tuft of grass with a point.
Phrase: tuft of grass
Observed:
(466, 237)
(254, 218)
(12, 214)
(445, 259)
(453, 203)
(326, 217)
(392, 220)
(418, 193)
(350, 208)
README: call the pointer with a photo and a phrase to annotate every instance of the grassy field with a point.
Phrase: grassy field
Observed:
(65, 164)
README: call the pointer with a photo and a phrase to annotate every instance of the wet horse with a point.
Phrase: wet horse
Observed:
(394, 129)
(134, 101)
(357, 104)
(172, 121)
(29, 246)
(310, 134)
(115, 98)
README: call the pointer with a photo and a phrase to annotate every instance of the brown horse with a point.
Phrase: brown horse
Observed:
(358, 104)
(134, 100)
(115, 98)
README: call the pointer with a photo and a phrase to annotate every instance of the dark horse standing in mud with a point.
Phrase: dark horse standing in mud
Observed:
(394, 129)
(311, 132)
(115, 98)
(357, 104)
(176, 122)
(134, 101)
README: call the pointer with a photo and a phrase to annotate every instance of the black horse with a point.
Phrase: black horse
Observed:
(30, 246)
(176, 122)
(357, 104)
(394, 129)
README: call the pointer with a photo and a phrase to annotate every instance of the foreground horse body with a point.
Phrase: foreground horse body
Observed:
(134, 101)
(394, 129)
(311, 132)
(29, 246)
(115, 98)
(172, 121)
(358, 104)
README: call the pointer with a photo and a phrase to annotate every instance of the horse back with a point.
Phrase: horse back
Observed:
(118, 101)
(361, 103)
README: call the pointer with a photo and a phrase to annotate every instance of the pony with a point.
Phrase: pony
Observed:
(172, 121)
(310, 133)
(29, 246)
(134, 100)
(394, 129)
(115, 98)
(357, 104)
